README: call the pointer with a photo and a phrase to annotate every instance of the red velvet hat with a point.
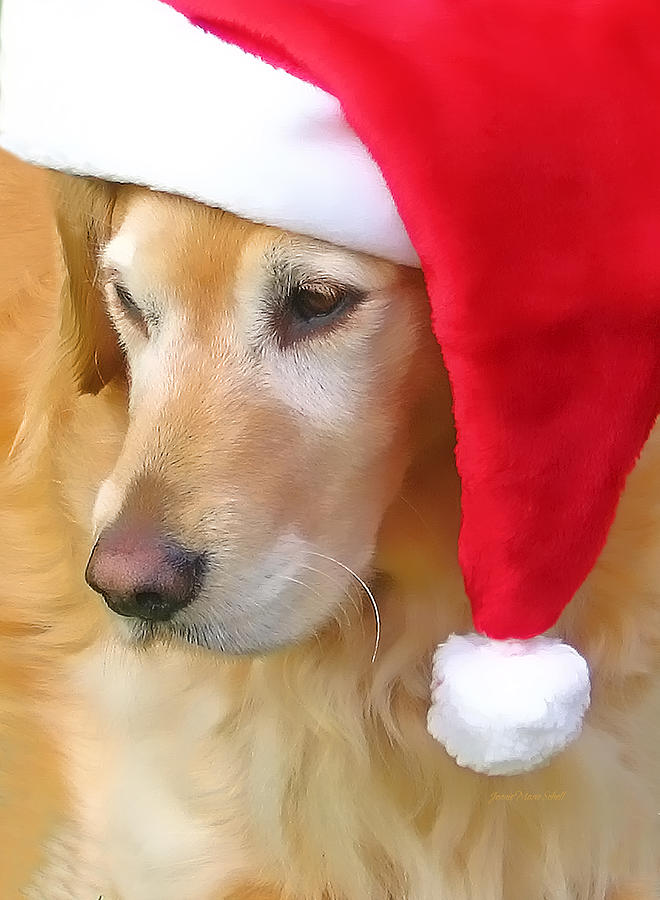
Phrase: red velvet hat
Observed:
(512, 148)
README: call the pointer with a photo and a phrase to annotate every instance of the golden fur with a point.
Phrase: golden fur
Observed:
(165, 772)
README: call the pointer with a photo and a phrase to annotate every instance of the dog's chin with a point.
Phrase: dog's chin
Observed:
(196, 636)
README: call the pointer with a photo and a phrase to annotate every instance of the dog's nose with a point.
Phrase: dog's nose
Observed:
(141, 574)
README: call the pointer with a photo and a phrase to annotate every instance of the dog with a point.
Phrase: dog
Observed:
(229, 547)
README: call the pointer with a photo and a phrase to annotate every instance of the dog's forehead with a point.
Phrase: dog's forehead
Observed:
(174, 245)
(213, 261)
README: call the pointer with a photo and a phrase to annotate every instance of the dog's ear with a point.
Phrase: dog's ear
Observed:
(83, 208)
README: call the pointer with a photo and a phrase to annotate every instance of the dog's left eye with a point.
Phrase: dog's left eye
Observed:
(316, 303)
(308, 309)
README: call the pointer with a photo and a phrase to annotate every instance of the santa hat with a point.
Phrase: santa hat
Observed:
(520, 140)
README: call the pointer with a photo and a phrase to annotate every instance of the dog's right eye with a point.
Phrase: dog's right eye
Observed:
(130, 308)
(144, 318)
(126, 300)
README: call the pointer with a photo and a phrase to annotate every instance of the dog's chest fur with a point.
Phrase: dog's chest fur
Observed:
(194, 777)
(155, 779)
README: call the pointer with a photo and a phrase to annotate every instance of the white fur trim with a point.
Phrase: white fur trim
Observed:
(129, 90)
(506, 707)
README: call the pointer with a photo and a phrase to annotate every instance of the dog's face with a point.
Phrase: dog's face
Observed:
(272, 382)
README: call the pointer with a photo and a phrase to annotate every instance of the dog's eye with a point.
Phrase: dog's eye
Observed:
(312, 309)
(316, 303)
(144, 319)
(305, 306)
(128, 303)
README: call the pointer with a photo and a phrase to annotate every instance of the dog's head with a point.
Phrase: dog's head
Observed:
(275, 385)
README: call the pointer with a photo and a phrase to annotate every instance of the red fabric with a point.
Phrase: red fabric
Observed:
(521, 141)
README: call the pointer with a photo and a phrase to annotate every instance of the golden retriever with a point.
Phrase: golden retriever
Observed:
(252, 431)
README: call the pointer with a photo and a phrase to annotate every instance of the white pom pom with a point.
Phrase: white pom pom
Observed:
(506, 707)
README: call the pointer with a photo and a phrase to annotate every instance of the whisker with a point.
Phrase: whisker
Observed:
(417, 513)
(349, 595)
(355, 602)
(366, 588)
(301, 583)
(335, 581)
(316, 593)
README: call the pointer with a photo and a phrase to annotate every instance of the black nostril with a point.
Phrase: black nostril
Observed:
(150, 600)
(152, 606)
(142, 575)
